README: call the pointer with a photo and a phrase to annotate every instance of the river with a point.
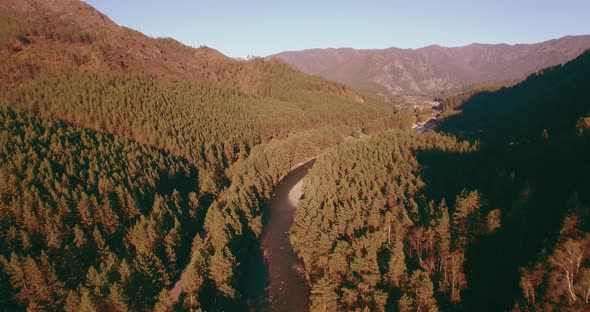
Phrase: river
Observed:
(286, 289)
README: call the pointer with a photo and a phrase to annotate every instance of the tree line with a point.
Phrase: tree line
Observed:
(235, 219)
(201, 128)
(370, 239)
(210, 126)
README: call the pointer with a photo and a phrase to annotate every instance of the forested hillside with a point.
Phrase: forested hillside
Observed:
(210, 126)
(369, 236)
(537, 133)
(410, 222)
(90, 219)
(552, 99)
(120, 169)
(48, 36)
(131, 166)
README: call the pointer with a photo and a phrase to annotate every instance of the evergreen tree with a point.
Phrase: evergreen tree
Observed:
(323, 298)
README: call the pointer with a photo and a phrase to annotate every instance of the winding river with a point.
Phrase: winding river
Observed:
(286, 289)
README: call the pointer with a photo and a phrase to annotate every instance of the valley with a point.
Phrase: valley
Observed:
(427, 112)
(138, 173)
(287, 288)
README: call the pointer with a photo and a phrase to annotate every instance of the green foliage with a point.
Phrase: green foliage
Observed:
(422, 292)
(549, 103)
(106, 179)
(323, 298)
(364, 225)
(234, 220)
(210, 126)
(532, 167)
(75, 202)
(133, 212)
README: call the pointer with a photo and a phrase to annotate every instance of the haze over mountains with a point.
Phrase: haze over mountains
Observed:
(432, 69)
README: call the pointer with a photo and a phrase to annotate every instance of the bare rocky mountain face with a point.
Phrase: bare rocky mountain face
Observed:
(74, 10)
(433, 69)
(99, 44)
(94, 43)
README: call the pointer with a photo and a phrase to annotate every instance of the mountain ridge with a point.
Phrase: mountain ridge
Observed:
(88, 16)
(432, 69)
(72, 34)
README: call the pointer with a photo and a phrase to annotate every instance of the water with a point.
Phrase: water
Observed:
(286, 289)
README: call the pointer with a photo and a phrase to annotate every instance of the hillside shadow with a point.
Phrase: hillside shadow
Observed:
(532, 212)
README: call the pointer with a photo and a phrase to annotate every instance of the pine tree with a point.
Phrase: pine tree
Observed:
(193, 280)
(171, 241)
(221, 271)
(101, 245)
(494, 220)
(422, 291)
(79, 237)
(443, 235)
(116, 299)
(72, 303)
(397, 265)
(149, 278)
(53, 285)
(323, 297)
(164, 303)
(86, 301)
(405, 304)
(466, 218)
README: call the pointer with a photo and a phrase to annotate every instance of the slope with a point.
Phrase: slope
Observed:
(44, 35)
(61, 47)
(221, 133)
(552, 99)
(86, 214)
(405, 221)
(532, 165)
(432, 69)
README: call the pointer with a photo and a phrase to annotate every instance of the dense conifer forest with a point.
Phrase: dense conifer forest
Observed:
(90, 219)
(134, 182)
(536, 133)
(369, 236)
(425, 222)
(114, 182)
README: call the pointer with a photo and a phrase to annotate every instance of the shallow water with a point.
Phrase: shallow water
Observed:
(286, 289)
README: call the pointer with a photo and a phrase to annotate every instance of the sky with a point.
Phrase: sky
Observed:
(265, 27)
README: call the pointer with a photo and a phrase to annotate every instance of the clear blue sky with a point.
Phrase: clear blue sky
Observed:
(264, 27)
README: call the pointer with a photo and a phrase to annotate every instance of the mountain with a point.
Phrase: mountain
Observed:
(128, 161)
(70, 33)
(432, 69)
(552, 99)
(533, 165)
(60, 34)
(75, 10)
(406, 221)
(136, 173)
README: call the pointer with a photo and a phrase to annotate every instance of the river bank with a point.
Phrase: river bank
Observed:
(284, 287)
